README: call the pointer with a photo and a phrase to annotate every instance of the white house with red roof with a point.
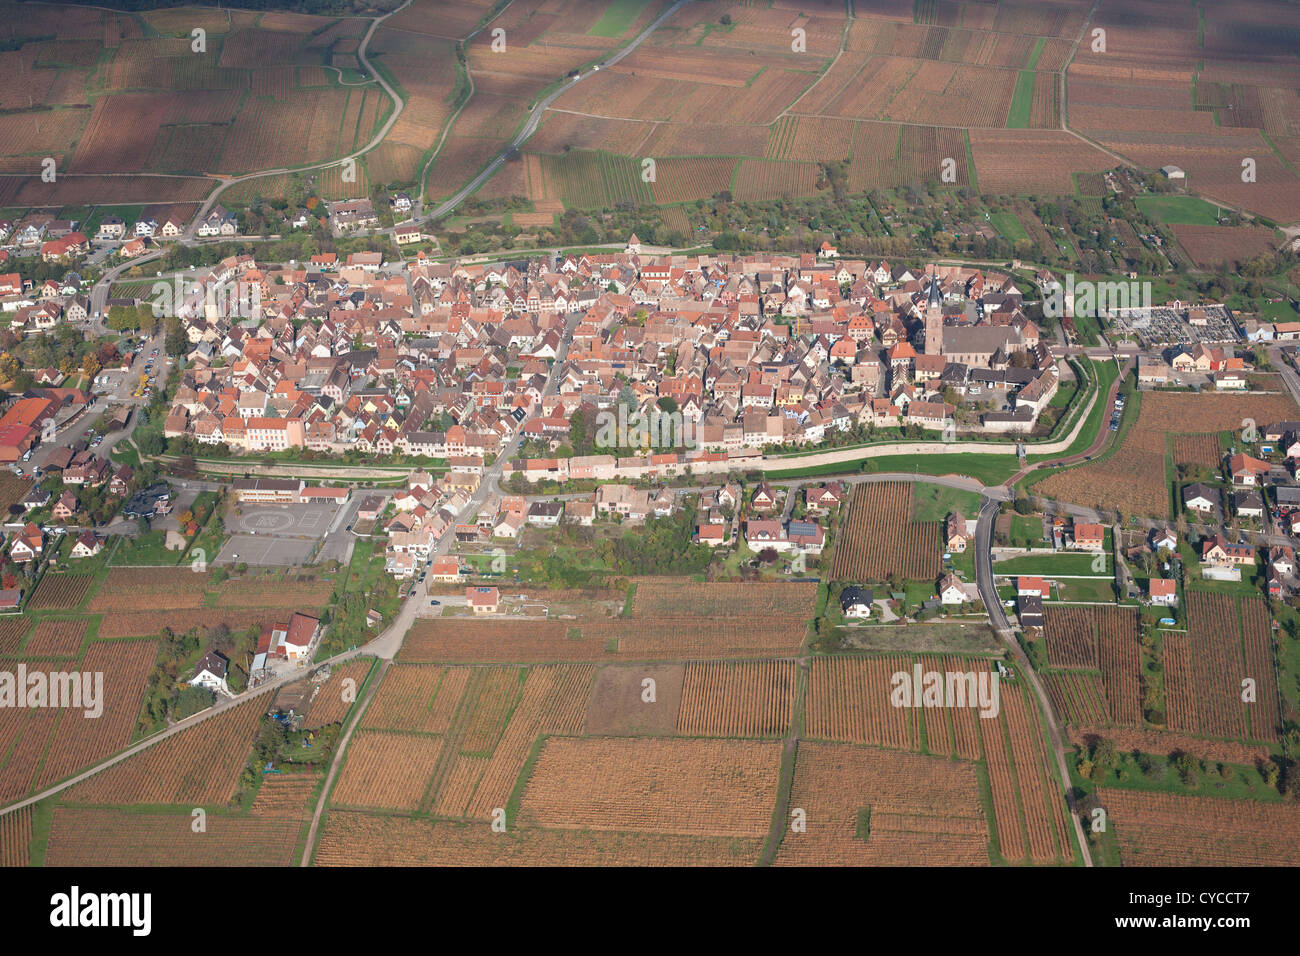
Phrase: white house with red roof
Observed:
(483, 600)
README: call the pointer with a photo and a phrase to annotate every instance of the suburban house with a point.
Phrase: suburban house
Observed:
(87, 545)
(445, 570)
(1248, 504)
(1089, 537)
(210, 672)
(856, 602)
(1218, 550)
(1246, 470)
(1031, 586)
(1163, 591)
(27, 544)
(290, 641)
(483, 600)
(1030, 608)
(219, 222)
(951, 590)
(955, 533)
(1164, 540)
(1199, 497)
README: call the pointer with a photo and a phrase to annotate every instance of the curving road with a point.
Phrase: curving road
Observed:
(535, 117)
(989, 511)
(398, 104)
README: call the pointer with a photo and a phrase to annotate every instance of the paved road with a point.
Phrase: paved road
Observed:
(989, 511)
(535, 117)
(191, 231)
(1103, 435)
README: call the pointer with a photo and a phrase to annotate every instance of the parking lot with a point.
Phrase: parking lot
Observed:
(265, 550)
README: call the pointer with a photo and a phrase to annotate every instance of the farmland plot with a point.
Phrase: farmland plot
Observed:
(686, 787)
(877, 539)
(868, 807)
(1162, 829)
(197, 767)
(357, 839)
(753, 699)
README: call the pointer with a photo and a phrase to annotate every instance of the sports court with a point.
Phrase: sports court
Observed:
(276, 535)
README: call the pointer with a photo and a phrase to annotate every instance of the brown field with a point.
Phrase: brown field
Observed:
(1213, 166)
(459, 160)
(683, 180)
(754, 699)
(267, 835)
(849, 700)
(198, 767)
(387, 770)
(328, 705)
(1023, 162)
(700, 637)
(658, 597)
(878, 540)
(923, 810)
(456, 640)
(358, 839)
(54, 638)
(72, 189)
(128, 589)
(1133, 478)
(13, 488)
(617, 707)
(416, 697)
(700, 787)
(1071, 634)
(1120, 655)
(13, 628)
(1210, 246)
(78, 740)
(1077, 697)
(60, 592)
(553, 701)
(1203, 450)
(1204, 670)
(16, 837)
(760, 179)
(274, 591)
(1161, 829)
(148, 623)
(1040, 797)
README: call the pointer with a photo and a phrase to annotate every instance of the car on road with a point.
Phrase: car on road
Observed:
(434, 602)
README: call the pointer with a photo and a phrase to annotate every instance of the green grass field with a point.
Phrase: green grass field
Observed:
(935, 502)
(615, 21)
(1005, 222)
(1178, 210)
(1022, 101)
(1049, 564)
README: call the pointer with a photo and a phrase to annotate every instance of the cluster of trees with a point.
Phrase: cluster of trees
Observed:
(663, 546)
(65, 348)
